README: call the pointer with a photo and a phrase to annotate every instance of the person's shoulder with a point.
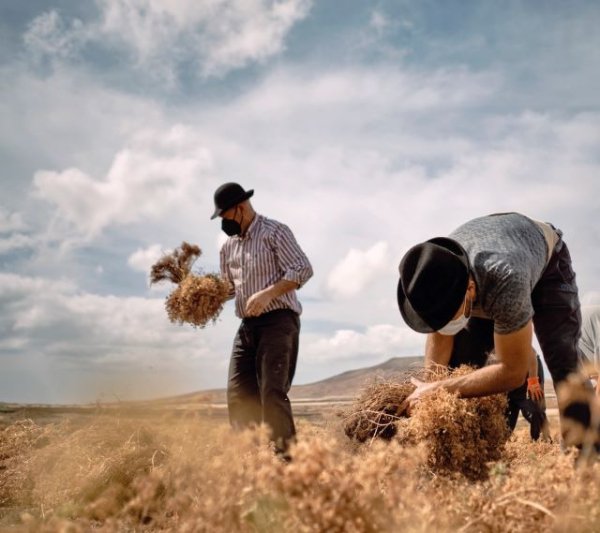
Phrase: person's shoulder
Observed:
(590, 313)
(226, 244)
(271, 225)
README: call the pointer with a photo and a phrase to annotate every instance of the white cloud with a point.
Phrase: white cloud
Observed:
(120, 336)
(143, 258)
(11, 237)
(377, 342)
(358, 268)
(379, 21)
(216, 36)
(11, 221)
(377, 91)
(49, 37)
(17, 241)
(60, 320)
(144, 181)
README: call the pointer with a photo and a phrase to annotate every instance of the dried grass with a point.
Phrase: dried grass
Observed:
(198, 299)
(460, 435)
(580, 411)
(194, 474)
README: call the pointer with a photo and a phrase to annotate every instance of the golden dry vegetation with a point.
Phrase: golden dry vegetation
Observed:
(170, 471)
(197, 299)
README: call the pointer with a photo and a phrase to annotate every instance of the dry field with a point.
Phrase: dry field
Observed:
(181, 470)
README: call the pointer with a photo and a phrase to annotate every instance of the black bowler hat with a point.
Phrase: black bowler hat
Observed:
(434, 276)
(228, 195)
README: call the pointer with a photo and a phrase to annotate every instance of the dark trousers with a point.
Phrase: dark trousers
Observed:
(261, 370)
(534, 411)
(556, 321)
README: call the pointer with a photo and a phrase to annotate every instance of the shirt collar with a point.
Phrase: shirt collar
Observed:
(252, 228)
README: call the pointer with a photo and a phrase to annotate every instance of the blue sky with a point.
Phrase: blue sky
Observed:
(365, 126)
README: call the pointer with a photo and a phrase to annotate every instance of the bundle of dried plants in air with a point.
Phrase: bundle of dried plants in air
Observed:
(198, 298)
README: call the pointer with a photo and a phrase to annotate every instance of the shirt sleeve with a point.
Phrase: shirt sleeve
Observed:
(292, 260)
(225, 272)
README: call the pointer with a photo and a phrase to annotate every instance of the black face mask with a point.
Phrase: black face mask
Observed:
(231, 226)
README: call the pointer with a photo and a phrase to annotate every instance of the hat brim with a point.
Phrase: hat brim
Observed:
(442, 317)
(410, 316)
(245, 196)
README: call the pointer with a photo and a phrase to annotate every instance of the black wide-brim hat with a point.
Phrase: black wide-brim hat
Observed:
(229, 195)
(434, 276)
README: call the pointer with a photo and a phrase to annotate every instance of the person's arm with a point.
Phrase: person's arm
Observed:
(226, 274)
(438, 349)
(532, 370)
(294, 264)
(534, 388)
(291, 259)
(257, 303)
(512, 350)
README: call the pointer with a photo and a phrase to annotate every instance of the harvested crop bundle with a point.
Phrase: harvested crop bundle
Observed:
(580, 413)
(460, 435)
(198, 298)
(376, 411)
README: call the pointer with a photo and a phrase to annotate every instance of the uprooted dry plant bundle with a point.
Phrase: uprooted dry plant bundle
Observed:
(198, 298)
(376, 413)
(580, 413)
(460, 435)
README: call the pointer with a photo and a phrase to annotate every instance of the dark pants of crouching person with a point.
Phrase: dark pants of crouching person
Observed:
(556, 321)
(534, 411)
(261, 370)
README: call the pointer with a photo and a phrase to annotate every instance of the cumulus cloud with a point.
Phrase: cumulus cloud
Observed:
(10, 221)
(57, 319)
(110, 341)
(381, 90)
(12, 236)
(215, 37)
(144, 181)
(143, 258)
(376, 342)
(17, 241)
(358, 268)
(49, 37)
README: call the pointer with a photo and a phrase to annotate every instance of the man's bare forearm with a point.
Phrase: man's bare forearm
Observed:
(281, 287)
(438, 349)
(491, 379)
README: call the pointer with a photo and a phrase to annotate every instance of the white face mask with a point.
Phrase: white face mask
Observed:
(454, 326)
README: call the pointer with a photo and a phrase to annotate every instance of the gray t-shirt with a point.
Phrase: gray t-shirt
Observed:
(590, 333)
(507, 253)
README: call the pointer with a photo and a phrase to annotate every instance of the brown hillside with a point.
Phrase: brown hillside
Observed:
(348, 384)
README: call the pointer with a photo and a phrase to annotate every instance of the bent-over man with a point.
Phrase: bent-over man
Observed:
(491, 283)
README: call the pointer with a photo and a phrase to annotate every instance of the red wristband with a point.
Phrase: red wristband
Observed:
(533, 381)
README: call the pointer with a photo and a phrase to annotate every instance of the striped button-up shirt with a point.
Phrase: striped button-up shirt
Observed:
(264, 255)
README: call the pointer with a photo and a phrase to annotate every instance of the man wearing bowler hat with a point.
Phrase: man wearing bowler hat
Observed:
(265, 266)
(485, 288)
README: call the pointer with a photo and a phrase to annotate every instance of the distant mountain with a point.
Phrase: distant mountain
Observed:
(348, 384)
